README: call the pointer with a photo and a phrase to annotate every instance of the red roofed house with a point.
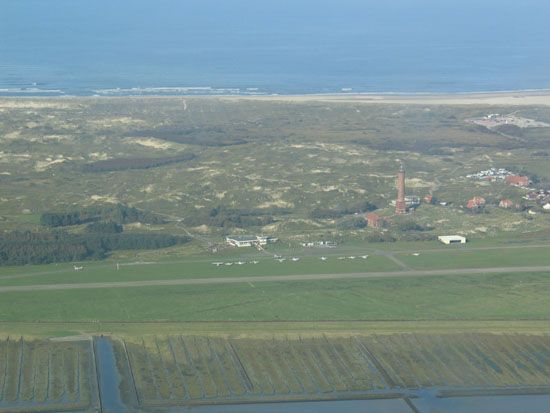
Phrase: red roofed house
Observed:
(374, 220)
(517, 180)
(476, 202)
(505, 203)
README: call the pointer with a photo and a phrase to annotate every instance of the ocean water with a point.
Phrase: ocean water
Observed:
(117, 47)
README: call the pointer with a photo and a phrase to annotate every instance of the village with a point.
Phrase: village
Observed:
(537, 201)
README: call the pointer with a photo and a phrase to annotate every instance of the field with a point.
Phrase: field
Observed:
(186, 369)
(176, 370)
(42, 376)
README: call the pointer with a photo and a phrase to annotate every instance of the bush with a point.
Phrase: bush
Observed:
(354, 223)
(408, 226)
(104, 228)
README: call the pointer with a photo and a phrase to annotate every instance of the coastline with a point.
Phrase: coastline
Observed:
(505, 98)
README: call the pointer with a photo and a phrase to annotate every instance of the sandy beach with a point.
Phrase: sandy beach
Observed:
(515, 98)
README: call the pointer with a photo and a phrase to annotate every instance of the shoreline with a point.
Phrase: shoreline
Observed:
(536, 97)
(506, 98)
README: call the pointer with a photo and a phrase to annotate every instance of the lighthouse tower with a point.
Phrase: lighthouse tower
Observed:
(400, 205)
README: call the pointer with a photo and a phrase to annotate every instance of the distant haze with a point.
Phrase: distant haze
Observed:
(277, 46)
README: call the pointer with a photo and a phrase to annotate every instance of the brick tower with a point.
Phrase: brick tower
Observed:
(400, 205)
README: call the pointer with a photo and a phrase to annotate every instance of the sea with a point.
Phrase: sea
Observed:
(250, 47)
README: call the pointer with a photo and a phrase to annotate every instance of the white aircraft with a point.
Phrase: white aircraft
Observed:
(240, 263)
(78, 268)
(281, 259)
(277, 256)
(295, 259)
(323, 258)
(351, 257)
(364, 257)
(416, 254)
(228, 263)
(254, 262)
(217, 264)
(341, 258)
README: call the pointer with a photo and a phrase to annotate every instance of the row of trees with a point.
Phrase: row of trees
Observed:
(18, 248)
(116, 213)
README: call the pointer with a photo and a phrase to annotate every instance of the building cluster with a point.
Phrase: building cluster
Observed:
(494, 120)
(491, 174)
(541, 196)
(404, 204)
(502, 175)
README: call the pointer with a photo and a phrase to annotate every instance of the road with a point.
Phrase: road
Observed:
(274, 278)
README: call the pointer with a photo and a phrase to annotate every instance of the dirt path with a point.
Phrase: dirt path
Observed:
(274, 278)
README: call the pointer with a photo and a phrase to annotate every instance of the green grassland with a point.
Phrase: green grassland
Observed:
(469, 258)
(203, 269)
(481, 297)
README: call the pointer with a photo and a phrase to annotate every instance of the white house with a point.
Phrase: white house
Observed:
(452, 239)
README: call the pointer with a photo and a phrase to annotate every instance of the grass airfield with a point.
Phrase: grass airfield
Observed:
(485, 296)
(389, 341)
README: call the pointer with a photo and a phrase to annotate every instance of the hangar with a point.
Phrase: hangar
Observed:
(452, 239)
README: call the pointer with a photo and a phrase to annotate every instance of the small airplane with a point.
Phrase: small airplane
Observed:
(281, 259)
(295, 259)
(351, 257)
(277, 256)
(78, 268)
(240, 263)
(254, 262)
(341, 258)
(416, 254)
(323, 258)
(217, 264)
(364, 257)
(228, 263)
